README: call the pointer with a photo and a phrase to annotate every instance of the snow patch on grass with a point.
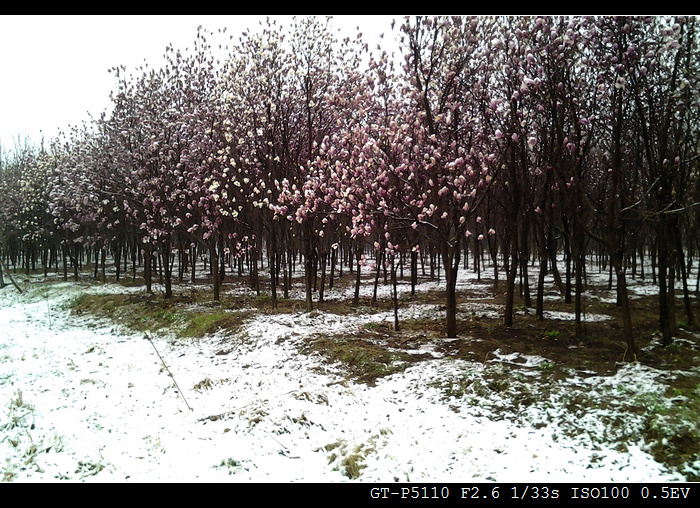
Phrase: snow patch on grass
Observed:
(87, 400)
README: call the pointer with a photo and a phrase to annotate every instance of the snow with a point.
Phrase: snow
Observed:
(85, 400)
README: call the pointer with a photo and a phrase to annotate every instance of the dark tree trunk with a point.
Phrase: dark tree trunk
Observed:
(511, 271)
(214, 265)
(451, 256)
(414, 271)
(166, 267)
(322, 288)
(148, 267)
(358, 279)
(539, 304)
(395, 297)
(308, 271)
(273, 266)
(662, 249)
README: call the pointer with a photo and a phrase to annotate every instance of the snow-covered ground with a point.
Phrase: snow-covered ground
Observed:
(83, 400)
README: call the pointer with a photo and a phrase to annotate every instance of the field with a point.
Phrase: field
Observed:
(105, 382)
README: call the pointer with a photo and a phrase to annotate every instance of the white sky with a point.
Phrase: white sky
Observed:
(54, 68)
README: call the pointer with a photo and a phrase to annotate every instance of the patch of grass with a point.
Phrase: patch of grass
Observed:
(88, 468)
(150, 313)
(353, 465)
(468, 384)
(546, 366)
(19, 402)
(229, 463)
(203, 322)
(232, 465)
(365, 361)
(204, 384)
(673, 430)
(552, 334)
(20, 412)
(8, 475)
(26, 445)
(77, 302)
(349, 463)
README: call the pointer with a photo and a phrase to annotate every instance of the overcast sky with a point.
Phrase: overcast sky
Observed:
(54, 68)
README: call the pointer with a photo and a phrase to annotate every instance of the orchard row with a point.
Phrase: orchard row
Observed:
(520, 137)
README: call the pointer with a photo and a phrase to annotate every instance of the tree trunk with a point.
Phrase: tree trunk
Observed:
(288, 264)
(684, 276)
(451, 256)
(511, 271)
(524, 276)
(167, 272)
(322, 288)
(380, 260)
(147, 267)
(395, 297)
(118, 257)
(273, 266)
(623, 297)
(567, 254)
(664, 304)
(193, 262)
(414, 271)
(539, 304)
(334, 257)
(358, 275)
(308, 267)
(254, 268)
(214, 265)
(2, 280)
(578, 295)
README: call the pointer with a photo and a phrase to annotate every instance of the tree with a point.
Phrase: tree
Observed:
(262, 143)
(446, 165)
(23, 190)
(661, 70)
(166, 133)
(320, 71)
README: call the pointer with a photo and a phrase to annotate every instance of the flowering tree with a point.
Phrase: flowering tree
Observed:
(308, 191)
(205, 213)
(446, 170)
(26, 226)
(164, 135)
(157, 179)
(84, 194)
(262, 143)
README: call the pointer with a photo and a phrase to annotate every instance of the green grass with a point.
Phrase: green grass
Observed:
(152, 314)
(205, 322)
(673, 429)
(363, 360)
